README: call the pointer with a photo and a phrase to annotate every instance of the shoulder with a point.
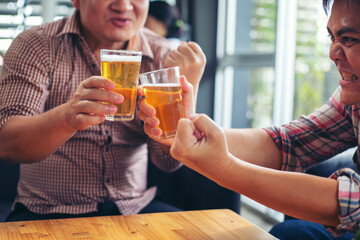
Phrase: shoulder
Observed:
(155, 39)
(40, 36)
(156, 43)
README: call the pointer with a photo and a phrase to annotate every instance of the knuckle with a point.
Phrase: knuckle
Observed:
(176, 151)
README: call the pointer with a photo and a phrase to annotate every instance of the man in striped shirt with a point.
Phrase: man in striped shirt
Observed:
(52, 119)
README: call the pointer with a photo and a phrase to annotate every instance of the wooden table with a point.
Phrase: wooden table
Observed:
(204, 224)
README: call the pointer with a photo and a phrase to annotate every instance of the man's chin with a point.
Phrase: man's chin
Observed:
(347, 99)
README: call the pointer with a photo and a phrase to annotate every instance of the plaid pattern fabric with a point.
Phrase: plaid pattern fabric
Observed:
(329, 130)
(349, 182)
(107, 162)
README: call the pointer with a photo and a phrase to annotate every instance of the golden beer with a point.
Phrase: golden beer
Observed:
(167, 101)
(124, 72)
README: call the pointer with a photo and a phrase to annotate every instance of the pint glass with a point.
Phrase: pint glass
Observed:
(162, 90)
(122, 67)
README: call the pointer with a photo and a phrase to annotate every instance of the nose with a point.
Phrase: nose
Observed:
(336, 52)
(122, 5)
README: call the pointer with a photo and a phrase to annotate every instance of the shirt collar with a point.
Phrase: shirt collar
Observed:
(140, 43)
(72, 25)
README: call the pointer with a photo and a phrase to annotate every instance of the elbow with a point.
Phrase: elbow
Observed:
(15, 157)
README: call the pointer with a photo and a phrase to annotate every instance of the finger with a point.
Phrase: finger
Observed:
(177, 56)
(187, 97)
(94, 94)
(185, 85)
(140, 91)
(98, 82)
(152, 132)
(95, 108)
(170, 62)
(195, 47)
(85, 120)
(207, 126)
(152, 121)
(185, 130)
(186, 51)
(146, 108)
(184, 138)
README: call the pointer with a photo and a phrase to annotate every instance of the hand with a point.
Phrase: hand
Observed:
(147, 112)
(87, 107)
(191, 61)
(201, 145)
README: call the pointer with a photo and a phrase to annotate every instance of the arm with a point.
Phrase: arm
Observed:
(254, 146)
(26, 139)
(307, 197)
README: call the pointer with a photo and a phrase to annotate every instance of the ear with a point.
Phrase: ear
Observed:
(76, 4)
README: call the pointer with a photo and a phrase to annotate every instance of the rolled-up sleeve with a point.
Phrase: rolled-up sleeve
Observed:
(349, 204)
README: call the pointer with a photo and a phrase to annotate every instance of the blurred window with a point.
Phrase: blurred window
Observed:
(273, 65)
(18, 15)
(276, 52)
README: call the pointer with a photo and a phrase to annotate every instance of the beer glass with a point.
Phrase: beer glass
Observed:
(122, 67)
(162, 90)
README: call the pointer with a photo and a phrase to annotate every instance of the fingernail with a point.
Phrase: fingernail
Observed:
(154, 132)
(111, 108)
(153, 122)
(118, 98)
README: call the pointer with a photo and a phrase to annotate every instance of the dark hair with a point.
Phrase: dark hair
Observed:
(326, 5)
(169, 15)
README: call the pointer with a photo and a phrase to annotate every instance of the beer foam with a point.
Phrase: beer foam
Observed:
(120, 58)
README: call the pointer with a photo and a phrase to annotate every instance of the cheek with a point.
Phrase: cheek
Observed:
(353, 57)
(141, 11)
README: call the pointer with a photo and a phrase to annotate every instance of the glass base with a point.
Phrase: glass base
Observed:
(119, 117)
(167, 135)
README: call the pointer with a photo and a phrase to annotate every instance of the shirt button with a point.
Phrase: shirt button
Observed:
(108, 140)
(106, 149)
(108, 180)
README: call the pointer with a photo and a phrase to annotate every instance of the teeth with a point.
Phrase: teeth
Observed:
(348, 76)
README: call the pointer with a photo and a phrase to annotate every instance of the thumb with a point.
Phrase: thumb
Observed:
(184, 138)
(188, 96)
(207, 126)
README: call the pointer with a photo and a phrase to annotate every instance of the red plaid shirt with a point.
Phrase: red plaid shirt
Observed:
(329, 130)
(107, 162)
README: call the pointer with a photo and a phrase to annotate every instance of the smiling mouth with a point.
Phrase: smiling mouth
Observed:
(348, 76)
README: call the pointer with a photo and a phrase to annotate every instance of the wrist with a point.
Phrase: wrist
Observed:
(222, 172)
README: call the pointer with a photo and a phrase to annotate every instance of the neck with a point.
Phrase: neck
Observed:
(96, 44)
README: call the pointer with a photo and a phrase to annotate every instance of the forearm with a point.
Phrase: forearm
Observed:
(30, 139)
(299, 195)
(254, 146)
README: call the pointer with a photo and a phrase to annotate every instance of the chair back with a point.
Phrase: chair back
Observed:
(188, 190)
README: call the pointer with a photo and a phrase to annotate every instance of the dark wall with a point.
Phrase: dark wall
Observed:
(201, 15)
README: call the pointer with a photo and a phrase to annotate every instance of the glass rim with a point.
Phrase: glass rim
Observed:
(120, 51)
(160, 70)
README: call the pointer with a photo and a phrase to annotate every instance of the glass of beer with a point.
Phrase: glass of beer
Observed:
(162, 90)
(122, 67)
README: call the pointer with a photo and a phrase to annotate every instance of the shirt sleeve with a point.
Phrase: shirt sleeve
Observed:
(24, 77)
(314, 138)
(162, 160)
(349, 202)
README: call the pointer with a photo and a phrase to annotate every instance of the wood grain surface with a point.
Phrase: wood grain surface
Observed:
(205, 224)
